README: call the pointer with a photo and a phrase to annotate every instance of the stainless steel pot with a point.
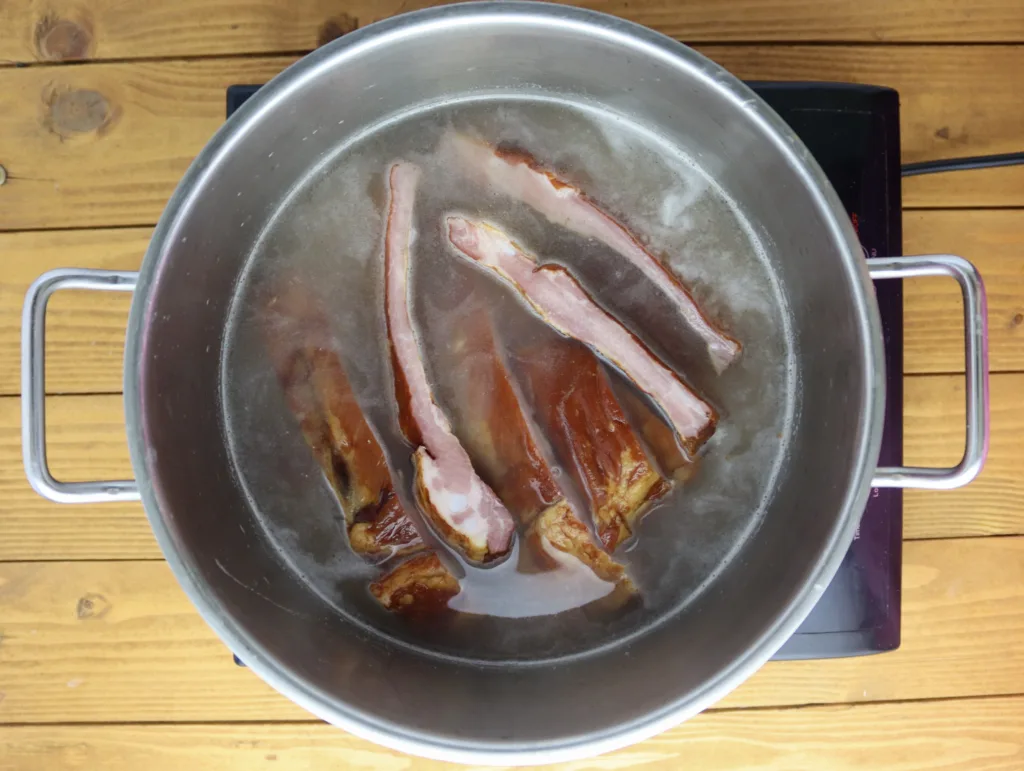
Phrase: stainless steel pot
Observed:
(443, 708)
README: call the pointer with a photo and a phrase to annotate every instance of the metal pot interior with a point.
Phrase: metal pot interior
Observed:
(781, 554)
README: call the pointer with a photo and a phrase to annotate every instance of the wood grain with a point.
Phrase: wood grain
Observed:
(933, 316)
(947, 108)
(98, 145)
(87, 441)
(934, 436)
(951, 736)
(106, 144)
(85, 331)
(118, 641)
(68, 30)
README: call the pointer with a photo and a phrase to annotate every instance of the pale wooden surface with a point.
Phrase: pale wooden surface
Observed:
(104, 144)
(62, 30)
(93, 628)
(932, 328)
(930, 736)
(87, 441)
(118, 642)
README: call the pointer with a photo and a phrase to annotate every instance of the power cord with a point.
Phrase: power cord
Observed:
(962, 164)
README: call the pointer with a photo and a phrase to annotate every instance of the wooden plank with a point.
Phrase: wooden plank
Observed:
(951, 599)
(86, 441)
(85, 331)
(933, 422)
(70, 30)
(933, 316)
(118, 641)
(65, 30)
(105, 144)
(949, 108)
(136, 626)
(964, 735)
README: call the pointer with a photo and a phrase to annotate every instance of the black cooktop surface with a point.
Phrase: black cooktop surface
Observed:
(853, 132)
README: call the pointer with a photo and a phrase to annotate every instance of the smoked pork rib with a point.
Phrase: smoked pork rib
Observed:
(518, 175)
(560, 301)
(500, 437)
(319, 395)
(464, 510)
(420, 587)
(491, 422)
(581, 415)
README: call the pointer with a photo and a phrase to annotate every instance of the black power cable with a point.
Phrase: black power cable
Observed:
(962, 164)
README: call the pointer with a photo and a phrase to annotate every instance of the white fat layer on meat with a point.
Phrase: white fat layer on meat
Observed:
(455, 507)
(454, 489)
(562, 303)
(566, 206)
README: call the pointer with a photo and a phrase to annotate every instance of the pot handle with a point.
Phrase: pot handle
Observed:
(33, 385)
(975, 369)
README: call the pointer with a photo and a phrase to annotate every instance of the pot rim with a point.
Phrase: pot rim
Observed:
(644, 42)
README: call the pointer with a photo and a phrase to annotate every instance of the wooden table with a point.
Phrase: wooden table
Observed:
(104, 664)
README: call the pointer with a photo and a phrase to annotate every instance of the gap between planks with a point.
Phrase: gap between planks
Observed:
(146, 121)
(129, 29)
(87, 441)
(712, 710)
(142, 650)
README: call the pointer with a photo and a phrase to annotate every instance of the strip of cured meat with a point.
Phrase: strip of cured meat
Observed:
(490, 421)
(560, 301)
(304, 355)
(500, 436)
(464, 510)
(418, 587)
(581, 415)
(518, 175)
